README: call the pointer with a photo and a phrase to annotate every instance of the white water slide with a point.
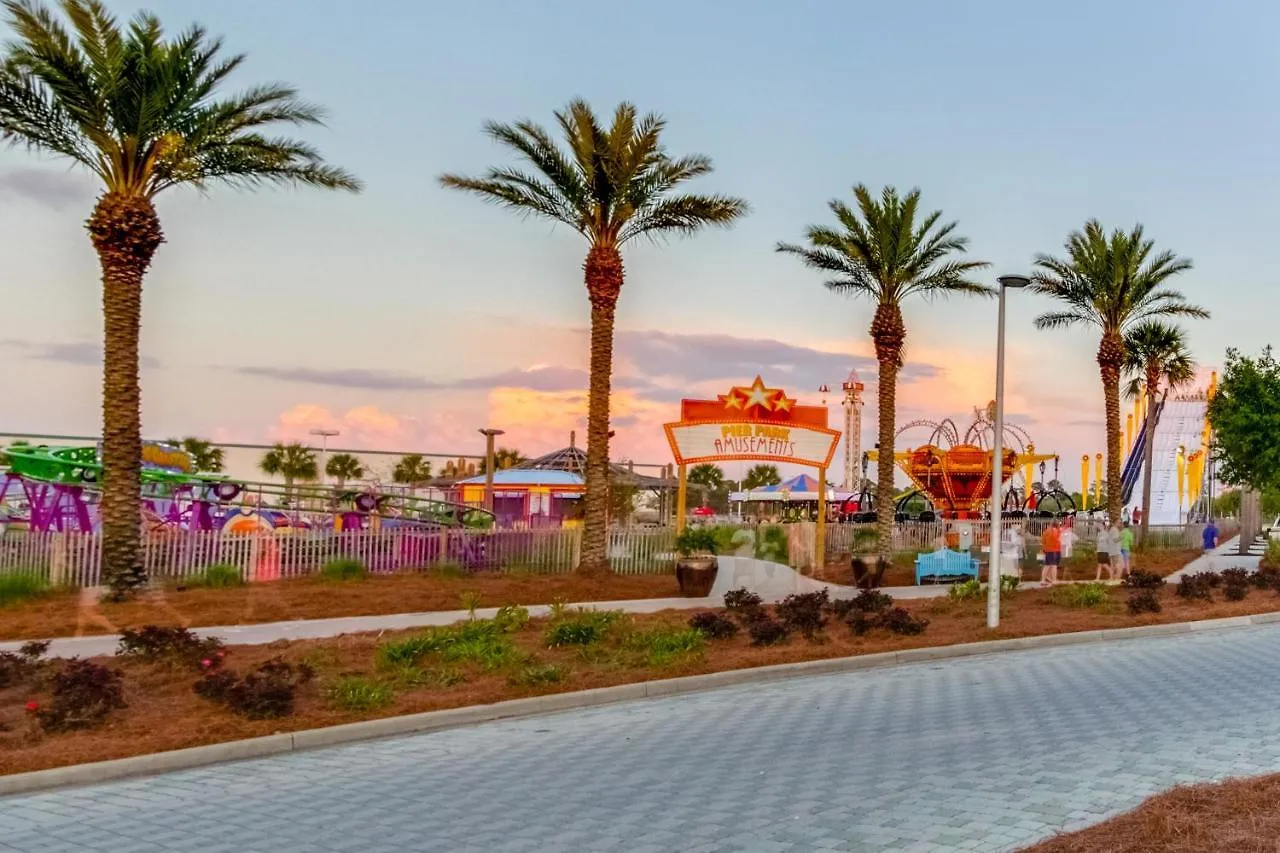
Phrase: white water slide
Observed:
(1180, 424)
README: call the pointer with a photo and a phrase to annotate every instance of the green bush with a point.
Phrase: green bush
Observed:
(360, 693)
(1271, 557)
(18, 588)
(965, 590)
(1080, 595)
(581, 628)
(661, 645)
(696, 539)
(539, 675)
(772, 544)
(219, 576)
(482, 641)
(343, 569)
(1010, 583)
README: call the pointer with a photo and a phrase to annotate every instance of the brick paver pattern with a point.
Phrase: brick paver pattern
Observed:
(975, 754)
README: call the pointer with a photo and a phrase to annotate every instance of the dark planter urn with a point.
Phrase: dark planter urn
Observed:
(696, 575)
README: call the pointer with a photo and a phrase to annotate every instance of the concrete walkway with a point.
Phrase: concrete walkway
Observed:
(979, 754)
(1225, 556)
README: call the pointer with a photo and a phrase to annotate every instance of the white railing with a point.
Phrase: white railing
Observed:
(74, 559)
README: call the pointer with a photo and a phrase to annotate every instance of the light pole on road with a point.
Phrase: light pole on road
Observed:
(997, 462)
(325, 435)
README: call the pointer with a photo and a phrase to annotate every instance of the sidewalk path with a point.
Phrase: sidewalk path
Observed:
(1225, 556)
(981, 754)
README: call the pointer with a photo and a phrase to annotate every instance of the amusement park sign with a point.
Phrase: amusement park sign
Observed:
(753, 422)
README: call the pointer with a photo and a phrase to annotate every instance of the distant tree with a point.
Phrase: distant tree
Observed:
(457, 469)
(707, 475)
(204, 455)
(622, 501)
(291, 462)
(503, 458)
(342, 467)
(1245, 414)
(759, 476)
(412, 470)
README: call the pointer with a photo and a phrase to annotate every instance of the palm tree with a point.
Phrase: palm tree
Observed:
(612, 185)
(142, 113)
(411, 470)
(342, 467)
(887, 251)
(759, 476)
(707, 475)
(204, 455)
(293, 461)
(1111, 282)
(1155, 352)
(504, 458)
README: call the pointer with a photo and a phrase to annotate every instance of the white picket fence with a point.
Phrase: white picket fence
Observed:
(74, 559)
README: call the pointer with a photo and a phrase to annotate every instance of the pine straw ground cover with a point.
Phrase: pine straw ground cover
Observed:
(1241, 816)
(364, 676)
(64, 614)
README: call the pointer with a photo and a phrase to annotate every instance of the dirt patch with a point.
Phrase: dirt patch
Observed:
(1242, 816)
(71, 614)
(164, 713)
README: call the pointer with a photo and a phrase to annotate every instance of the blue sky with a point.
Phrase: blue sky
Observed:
(422, 312)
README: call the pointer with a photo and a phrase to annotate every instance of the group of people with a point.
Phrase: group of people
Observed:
(1114, 548)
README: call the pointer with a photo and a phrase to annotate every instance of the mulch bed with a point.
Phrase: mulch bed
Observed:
(163, 713)
(1240, 816)
(65, 614)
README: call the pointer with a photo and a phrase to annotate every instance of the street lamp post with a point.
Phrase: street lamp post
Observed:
(997, 452)
(325, 435)
(489, 436)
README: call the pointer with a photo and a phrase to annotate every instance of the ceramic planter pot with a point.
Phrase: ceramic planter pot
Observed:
(696, 575)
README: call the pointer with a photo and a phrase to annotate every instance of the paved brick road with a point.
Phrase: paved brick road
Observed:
(979, 754)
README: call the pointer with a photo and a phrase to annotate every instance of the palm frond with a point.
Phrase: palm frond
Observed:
(684, 215)
(1062, 319)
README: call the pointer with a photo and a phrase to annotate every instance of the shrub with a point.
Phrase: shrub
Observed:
(1271, 557)
(539, 675)
(219, 576)
(1196, 586)
(1235, 584)
(713, 625)
(1143, 600)
(1080, 595)
(1140, 579)
(900, 621)
(765, 631)
(511, 618)
(802, 612)
(663, 644)
(965, 590)
(83, 694)
(343, 569)
(16, 588)
(1267, 577)
(360, 693)
(772, 544)
(742, 601)
(581, 628)
(1010, 583)
(482, 641)
(269, 691)
(18, 667)
(860, 621)
(696, 539)
(872, 601)
(156, 643)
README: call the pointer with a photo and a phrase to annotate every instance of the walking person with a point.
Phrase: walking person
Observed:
(1209, 538)
(1108, 550)
(1126, 549)
(1051, 544)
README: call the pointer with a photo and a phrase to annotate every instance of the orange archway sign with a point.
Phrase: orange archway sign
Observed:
(753, 423)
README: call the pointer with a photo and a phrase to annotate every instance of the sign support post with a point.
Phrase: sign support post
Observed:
(820, 532)
(682, 490)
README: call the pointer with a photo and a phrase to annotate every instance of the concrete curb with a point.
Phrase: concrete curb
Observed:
(201, 756)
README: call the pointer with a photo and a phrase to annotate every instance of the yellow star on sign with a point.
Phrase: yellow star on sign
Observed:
(783, 403)
(732, 400)
(758, 395)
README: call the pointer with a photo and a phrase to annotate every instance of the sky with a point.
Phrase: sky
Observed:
(409, 316)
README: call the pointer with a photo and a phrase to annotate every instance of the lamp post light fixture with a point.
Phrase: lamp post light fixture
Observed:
(997, 462)
(325, 435)
(489, 436)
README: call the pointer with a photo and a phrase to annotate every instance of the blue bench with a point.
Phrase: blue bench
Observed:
(945, 563)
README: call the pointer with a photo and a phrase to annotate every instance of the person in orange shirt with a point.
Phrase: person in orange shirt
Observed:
(1051, 544)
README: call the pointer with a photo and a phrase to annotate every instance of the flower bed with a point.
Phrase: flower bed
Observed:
(179, 691)
(62, 614)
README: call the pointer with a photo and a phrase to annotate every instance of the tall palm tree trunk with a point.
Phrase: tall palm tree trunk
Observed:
(126, 233)
(603, 273)
(1110, 359)
(888, 333)
(1148, 451)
